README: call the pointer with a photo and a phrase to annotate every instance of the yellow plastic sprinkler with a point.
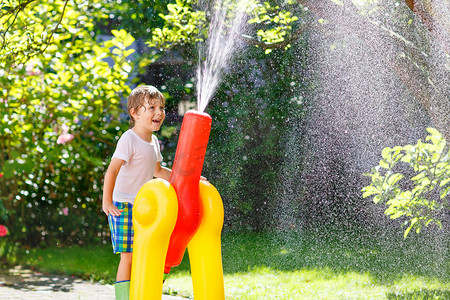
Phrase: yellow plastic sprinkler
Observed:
(169, 216)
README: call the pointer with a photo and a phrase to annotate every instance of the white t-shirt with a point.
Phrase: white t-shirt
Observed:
(140, 159)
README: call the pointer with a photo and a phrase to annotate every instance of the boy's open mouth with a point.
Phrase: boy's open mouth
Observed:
(157, 121)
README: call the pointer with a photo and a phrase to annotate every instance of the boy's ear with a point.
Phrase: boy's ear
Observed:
(134, 115)
(133, 112)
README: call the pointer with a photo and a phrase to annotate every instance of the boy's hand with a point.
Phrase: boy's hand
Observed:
(111, 209)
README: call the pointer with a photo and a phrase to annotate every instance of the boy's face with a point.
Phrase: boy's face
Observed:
(150, 116)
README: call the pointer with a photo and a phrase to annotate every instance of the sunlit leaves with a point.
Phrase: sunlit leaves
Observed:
(29, 27)
(275, 23)
(184, 25)
(59, 114)
(419, 199)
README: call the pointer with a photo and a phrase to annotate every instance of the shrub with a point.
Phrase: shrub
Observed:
(60, 116)
(420, 198)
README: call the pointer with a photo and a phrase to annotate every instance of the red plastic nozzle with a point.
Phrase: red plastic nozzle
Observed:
(186, 171)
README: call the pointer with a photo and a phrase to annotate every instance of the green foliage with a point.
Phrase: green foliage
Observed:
(59, 119)
(186, 25)
(274, 23)
(29, 27)
(135, 16)
(23, 32)
(182, 26)
(425, 194)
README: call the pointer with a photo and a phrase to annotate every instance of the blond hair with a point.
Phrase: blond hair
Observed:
(141, 95)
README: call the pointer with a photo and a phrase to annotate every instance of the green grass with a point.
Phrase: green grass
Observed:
(289, 266)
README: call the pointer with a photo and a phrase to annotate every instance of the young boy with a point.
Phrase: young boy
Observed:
(136, 160)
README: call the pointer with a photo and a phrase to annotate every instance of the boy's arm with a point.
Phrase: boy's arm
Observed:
(162, 172)
(108, 187)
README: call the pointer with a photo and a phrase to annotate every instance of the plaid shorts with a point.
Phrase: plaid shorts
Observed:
(122, 232)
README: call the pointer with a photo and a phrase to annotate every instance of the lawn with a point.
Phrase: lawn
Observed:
(294, 265)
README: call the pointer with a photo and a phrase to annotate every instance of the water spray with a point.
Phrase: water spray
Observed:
(223, 44)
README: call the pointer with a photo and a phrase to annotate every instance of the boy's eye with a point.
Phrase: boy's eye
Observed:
(153, 107)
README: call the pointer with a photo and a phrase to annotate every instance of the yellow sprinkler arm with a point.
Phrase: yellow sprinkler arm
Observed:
(205, 253)
(155, 212)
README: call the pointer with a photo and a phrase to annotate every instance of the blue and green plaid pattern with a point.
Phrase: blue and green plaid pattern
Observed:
(122, 232)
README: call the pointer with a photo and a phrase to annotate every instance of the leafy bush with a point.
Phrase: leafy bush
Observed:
(420, 197)
(60, 117)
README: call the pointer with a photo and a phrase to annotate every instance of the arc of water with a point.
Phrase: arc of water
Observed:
(222, 43)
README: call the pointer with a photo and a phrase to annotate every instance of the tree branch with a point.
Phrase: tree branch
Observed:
(12, 11)
(47, 43)
(9, 27)
(37, 47)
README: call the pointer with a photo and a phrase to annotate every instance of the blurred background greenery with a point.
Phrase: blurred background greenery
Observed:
(67, 68)
(62, 111)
